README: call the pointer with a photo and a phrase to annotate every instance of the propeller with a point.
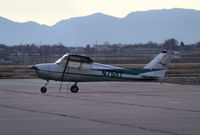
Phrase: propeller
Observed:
(63, 73)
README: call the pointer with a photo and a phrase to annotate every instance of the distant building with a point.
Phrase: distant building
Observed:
(5, 61)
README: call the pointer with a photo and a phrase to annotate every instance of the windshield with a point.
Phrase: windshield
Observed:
(58, 61)
(61, 60)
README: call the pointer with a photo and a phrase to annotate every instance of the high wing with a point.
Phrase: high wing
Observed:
(74, 58)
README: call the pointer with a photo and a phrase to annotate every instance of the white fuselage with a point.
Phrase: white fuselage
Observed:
(98, 72)
(77, 68)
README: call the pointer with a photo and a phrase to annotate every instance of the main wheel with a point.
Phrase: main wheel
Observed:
(43, 90)
(74, 89)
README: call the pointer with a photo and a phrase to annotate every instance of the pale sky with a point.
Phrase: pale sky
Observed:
(51, 11)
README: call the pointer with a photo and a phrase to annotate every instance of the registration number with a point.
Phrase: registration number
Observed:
(111, 74)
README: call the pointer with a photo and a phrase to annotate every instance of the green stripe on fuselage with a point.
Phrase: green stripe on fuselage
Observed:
(118, 77)
(131, 71)
(96, 75)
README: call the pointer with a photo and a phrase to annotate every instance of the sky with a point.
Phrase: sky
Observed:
(50, 12)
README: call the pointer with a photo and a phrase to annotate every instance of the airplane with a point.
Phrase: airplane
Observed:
(80, 68)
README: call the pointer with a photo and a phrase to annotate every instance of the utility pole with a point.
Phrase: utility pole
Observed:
(40, 51)
(96, 50)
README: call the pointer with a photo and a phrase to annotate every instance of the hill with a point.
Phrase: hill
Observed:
(136, 27)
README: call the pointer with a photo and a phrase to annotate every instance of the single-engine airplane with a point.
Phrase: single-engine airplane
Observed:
(80, 68)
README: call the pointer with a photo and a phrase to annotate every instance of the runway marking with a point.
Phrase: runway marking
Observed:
(185, 88)
(174, 102)
(189, 88)
(91, 120)
(116, 92)
(96, 95)
(111, 102)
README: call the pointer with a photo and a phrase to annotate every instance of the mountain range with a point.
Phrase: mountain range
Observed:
(136, 27)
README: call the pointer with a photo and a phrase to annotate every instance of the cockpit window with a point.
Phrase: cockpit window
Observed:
(62, 60)
(58, 61)
(75, 61)
(74, 64)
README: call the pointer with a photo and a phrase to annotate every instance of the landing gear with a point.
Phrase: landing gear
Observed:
(44, 89)
(74, 88)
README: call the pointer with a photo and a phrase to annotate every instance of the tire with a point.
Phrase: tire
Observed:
(74, 89)
(43, 90)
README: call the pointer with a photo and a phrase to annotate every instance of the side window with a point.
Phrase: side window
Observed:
(86, 66)
(79, 65)
(74, 64)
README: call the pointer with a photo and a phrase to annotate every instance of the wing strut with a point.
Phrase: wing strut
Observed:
(63, 74)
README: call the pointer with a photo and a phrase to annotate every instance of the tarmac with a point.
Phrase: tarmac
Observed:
(100, 108)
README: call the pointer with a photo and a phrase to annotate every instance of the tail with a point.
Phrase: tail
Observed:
(158, 65)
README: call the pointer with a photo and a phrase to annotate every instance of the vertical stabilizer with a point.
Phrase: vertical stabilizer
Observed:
(160, 62)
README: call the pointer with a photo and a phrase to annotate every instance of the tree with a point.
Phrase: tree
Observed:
(182, 44)
(171, 44)
(198, 44)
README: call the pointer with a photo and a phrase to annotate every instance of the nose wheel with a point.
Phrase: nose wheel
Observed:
(44, 88)
(74, 88)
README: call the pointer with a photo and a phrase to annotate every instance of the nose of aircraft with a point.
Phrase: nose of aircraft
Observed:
(30, 66)
(33, 67)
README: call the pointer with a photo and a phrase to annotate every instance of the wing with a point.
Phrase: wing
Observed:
(74, 59)
(80, 58)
